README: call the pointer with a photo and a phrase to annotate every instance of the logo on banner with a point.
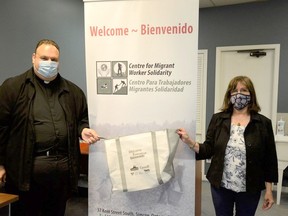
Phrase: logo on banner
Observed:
(112, 77)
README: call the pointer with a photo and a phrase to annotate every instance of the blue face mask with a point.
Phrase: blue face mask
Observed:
(48, 69)
(240, 101)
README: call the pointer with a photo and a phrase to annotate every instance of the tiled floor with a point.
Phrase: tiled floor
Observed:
(276, 210)
(78, 205)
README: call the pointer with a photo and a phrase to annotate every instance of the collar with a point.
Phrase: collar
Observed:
(253, 116)
(60, 81)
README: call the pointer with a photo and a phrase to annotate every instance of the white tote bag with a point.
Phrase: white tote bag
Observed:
(141, 161)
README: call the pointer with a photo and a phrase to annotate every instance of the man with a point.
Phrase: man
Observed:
(42, 117)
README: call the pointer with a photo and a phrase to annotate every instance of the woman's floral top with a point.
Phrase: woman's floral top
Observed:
(234, 174)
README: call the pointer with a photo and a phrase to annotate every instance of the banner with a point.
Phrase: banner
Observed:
(141, 68)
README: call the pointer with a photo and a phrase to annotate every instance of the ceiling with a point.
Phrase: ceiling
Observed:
(217, 3)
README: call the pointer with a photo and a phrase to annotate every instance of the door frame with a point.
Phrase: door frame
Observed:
(202, 93)
(276, 48)
(201, 104)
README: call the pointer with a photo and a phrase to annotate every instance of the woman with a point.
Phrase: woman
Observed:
(241, 143)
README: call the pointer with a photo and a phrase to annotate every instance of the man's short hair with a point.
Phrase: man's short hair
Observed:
(47, 41)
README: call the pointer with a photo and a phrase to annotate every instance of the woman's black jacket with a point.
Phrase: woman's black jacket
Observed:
(261, 157)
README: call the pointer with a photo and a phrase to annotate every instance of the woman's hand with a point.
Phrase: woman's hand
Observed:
(186, 139)
(268, 198)
(183, 135)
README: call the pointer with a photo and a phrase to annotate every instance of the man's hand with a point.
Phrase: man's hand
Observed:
(2, 175)
(89, 135)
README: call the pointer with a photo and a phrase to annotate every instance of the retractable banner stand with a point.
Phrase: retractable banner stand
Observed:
(141, 65)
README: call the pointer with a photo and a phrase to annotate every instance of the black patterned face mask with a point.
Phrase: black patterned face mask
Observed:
(240, 101)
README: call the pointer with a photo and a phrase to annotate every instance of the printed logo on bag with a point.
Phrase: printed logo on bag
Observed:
(134, 168)
(140, 170)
